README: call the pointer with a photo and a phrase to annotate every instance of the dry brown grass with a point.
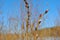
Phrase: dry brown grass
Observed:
(48, 32)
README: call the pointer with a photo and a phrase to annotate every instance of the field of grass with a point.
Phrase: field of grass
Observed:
(48, 32)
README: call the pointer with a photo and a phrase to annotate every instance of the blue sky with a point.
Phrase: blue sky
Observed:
(14, 8)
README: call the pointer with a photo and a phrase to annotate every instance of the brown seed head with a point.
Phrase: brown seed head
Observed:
(40, 15)
(39, 22)
(46, 11)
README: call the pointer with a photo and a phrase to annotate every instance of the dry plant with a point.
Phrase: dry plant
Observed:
(33, 23)
(13, 23)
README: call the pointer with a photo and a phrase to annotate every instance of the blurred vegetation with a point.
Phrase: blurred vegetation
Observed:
(34, 32)
(48, 32)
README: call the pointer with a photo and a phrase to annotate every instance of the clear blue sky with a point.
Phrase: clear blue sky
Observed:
(16, 8)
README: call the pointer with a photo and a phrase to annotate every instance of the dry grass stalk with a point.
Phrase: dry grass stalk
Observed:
(32, 25)
(28, 13)
(23, 26)
(35, 35)
(27, 20)
(40, 16)
(13, 23)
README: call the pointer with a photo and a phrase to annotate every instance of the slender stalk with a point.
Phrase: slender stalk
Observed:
(28, 13)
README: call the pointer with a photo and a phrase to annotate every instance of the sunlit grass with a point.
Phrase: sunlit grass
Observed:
(34, 32)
